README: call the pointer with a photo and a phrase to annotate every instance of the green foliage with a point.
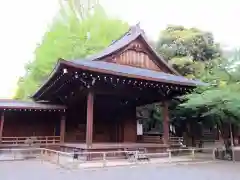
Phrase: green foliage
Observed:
(220, 101)
(80, 8)
(188, 49)
(69, 37)
(194, 54)
(152, 118)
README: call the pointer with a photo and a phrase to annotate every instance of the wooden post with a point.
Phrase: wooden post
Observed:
(62, 128)
(1, 126)
(165, 122)
(89, 127)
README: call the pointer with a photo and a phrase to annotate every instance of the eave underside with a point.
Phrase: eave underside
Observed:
(71, 83)
(17, 105)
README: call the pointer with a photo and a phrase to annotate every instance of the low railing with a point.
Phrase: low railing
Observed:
(175, 140)
(34, 139)
(110, 158)
(151, 139)
(118, 158)
(158, 139)
(208, 141)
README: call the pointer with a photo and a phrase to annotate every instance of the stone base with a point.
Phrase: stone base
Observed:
(237, 153)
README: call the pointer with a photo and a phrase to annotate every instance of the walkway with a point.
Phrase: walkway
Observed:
(28, 170)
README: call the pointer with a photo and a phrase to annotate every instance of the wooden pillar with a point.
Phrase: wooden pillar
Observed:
(62, 128)
(89, 127)
(1, 126)
(165, 122)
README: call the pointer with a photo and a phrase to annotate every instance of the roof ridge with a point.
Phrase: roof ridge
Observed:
(122, 41)
(131, 30)
(133, 33)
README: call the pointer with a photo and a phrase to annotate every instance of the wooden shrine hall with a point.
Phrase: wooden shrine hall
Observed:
(98, 95)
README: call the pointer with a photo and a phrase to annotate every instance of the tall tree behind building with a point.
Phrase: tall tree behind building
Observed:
(69, 37)
(188, 50)
(194, 54)
(220, 101)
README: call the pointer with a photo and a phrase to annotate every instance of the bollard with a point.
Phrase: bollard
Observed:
(169, 155)
(58, 158)
(213, 154)
(136, 157)
(233, 155)
(193, 153)
(104, 159)
(14, 155)
(42, 155)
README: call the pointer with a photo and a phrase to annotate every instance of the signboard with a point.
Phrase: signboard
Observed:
(139, 129)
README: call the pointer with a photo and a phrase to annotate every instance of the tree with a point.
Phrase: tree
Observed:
(220, 101)
(69, 37)
(80, 8)
(194, 54)
(188, 50)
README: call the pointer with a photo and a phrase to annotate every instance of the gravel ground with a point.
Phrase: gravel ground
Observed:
(35, 170)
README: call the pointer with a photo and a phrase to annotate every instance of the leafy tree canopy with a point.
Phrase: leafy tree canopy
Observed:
(220, 100)
(188, 50)
(69, 37)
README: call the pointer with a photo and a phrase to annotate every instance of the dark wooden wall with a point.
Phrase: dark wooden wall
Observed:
(110, 124)
(130, 129)
(137, 54)
(28, 123)
(76, 122)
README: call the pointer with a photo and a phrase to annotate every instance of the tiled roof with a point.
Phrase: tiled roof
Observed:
(113, 68)
(94, 63)
(17, 104)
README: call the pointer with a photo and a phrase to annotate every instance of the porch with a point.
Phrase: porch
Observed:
(147, 143)
(113, 146)
(30, 124)
(29, 141)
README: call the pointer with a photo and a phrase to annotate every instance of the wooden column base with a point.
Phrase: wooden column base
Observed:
(62, 129)
(89, 127)
(165, 123)
(1, 126)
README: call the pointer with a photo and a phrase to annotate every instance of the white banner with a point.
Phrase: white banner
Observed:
(139, 128)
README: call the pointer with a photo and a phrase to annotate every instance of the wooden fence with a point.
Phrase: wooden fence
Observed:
(103, 159)
(30, 140)
(159, 140)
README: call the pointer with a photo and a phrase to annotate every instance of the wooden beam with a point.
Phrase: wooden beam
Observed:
(165, 122)
(1, 126)
(62, 128)
(89, 128)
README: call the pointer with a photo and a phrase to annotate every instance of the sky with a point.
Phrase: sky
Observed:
(24, 22)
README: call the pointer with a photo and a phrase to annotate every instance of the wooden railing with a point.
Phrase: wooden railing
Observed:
(31, 139)
(110, 158)
(175, 140)
(158, 139)
(152, 139)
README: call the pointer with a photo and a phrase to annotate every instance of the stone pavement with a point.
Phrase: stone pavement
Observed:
(36, 170)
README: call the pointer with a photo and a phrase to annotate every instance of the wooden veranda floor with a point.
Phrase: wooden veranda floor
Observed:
(113, 146)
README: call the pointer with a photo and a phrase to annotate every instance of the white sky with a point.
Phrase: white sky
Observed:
(24, 22)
